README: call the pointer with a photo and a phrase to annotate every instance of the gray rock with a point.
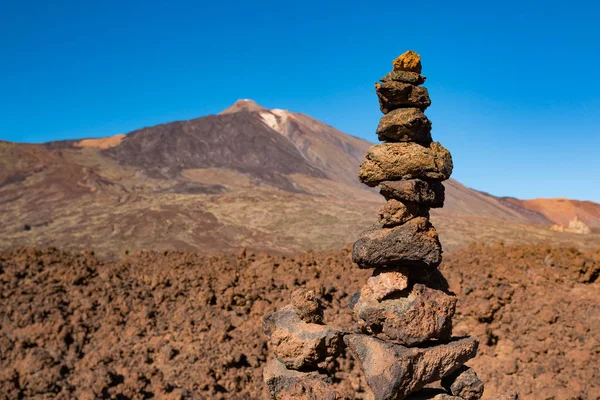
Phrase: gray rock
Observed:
(429, 193)
(404, 76)
(405, 125)
(465, 383)
(393, 95)
(393, 371)
(413, 244)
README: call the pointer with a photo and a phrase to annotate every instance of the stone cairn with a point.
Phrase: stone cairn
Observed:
(403, 337)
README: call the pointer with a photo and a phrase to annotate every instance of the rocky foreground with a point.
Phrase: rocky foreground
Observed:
(183, 325)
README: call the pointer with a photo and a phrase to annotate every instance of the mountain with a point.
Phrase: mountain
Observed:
(246, 177)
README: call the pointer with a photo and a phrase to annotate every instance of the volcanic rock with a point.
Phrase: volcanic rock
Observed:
(386, 281)
(396, 161)
(393, 371)
(404, 76)
(409, 317)
(405, 125)
(432, 394)
(465, 383)
(299, 344)
(293, 385)
(307, 306)
(408, 61)
(395, 212)
(429, 193)
(393, 95)
(413, 244)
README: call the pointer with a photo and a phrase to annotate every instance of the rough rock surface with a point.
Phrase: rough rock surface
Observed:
(395, 161)
(298, 344)
(409, 317)
(394, 94)
(404, 76)
(465, 383)
(395, 212)
(432, 394)
(288, 384)
(405, 125)
(386, 281)
(408, 61)
(307, 306)
(429, 193)
(394, 371)
(413, 244)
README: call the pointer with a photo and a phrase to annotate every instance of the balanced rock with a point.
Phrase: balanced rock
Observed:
(395, 212)
(404, 76)
(394, 371)
(285, 384)
(428, 193)
(464, 383)
(298, 344)
(307, 306)
(405, 125)
(413, 244)
(386, 281)
(409, 318)
(397, 161)
(394, 94)
(408, 61)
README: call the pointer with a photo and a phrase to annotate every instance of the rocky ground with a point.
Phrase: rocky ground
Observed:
(183, 325)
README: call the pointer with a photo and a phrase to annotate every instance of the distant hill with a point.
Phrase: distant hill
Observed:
(247, 177)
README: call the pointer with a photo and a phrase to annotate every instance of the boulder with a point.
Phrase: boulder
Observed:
(394, 371)
(409, 317)
(413, 244)
(399, 161)
(394, 94)
(464, 383)
(408, 61)
(405, 125)
(297, 344)
(428, 193)
(395, 212)
(386, 281)
(285, 384)
(307, 306)
(404, 76)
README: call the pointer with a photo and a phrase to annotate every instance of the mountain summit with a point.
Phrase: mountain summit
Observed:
(243, 105)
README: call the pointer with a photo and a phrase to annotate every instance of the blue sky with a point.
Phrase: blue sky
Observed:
(514, 85)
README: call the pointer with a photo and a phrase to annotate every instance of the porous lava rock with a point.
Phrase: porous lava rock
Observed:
(405, 125)
(394, 371)
(427, 193)
(393, 95)
(410, 317)
(395, 212)
(408, 61)
(412, 244)
(464, 383)
(307, 306)
(386, 281)
(398, 161)
(404, 76)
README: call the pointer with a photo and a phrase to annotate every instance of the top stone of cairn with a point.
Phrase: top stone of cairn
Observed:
(409, 61)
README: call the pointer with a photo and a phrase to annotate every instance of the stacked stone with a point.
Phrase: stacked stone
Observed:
(404, 312)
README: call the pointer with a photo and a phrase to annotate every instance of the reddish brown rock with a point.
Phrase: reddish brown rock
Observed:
(405, 125)
(398, 161)
(404, 76)
(428, 193)
(286, 384)
(464, 383)
(393, 95)
(386, 281)
(410, 317)
(432, 394)
(307, 306)
(395, 212)
(393, 371)
(408, 61)
(413, 244)
(299, 344)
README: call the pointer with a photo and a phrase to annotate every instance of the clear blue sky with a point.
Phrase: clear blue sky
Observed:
(515, 85)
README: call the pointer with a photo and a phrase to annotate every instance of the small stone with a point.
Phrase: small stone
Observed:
(393, 95)
(465, 383)
(293, 385)
(409, 318)
(404, 76)
(413, 244)
(395, 212)
(429, 193)
(299, 344)
(398, 161)
(307, 306)
(432, 394)
(386, 281)
(394, 371)
(405, 125)
(507, 396)
(409, 61)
